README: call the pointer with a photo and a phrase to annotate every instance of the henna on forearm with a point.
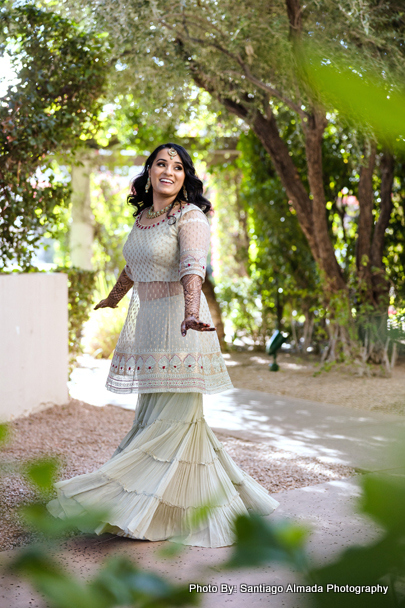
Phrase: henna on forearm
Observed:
(122, 286)
(192, 292)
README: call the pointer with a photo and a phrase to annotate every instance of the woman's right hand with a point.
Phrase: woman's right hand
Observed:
(106, 303)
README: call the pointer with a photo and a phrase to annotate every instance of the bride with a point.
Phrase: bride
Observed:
(170, 463)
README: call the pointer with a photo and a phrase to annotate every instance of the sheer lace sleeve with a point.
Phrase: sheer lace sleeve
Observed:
(194, 239)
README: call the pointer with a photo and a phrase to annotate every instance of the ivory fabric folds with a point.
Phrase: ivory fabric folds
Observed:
(170, 462)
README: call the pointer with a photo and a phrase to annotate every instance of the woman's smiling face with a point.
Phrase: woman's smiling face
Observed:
(167, 174)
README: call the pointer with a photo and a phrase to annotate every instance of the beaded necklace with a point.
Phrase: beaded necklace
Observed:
(152, 214)
(171, 220)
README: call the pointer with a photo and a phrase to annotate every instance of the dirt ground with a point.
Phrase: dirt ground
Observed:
(296, 378)
(84, 437)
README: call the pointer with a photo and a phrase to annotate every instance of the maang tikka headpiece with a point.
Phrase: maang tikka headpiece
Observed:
(172, 152)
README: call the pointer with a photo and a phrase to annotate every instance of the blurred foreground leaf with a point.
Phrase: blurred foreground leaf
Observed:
(41, 472)
(383, 499)
(4, 433)
(363, 97)
(260, 541)
(60, 588)
(38, 517)
(361, 566)
(170, 550)
(126, 584)
(118, 583)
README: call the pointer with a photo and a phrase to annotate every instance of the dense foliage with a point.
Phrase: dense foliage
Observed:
(53, 107)
(317, 209)
(276, 278)
(249, 58)
(278, 284)
(81, 284)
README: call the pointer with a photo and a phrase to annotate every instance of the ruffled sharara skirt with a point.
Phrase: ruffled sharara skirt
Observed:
(169, 464)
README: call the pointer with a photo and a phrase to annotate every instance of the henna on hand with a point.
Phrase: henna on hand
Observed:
(192, 294)
(122, 286)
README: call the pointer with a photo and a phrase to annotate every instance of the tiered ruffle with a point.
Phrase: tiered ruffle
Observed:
(169, 464)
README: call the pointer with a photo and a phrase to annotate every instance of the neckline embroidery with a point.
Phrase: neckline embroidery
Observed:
(138, 225)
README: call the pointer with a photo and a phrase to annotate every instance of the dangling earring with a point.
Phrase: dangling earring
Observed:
(185, 193)
(147, 184)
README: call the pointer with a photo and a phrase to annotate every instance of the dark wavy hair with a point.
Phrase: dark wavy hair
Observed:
(140, 199)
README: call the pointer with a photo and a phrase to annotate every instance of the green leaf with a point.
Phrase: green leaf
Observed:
(357, 566)
(125, 584)
(63, 590)
(37, 516)
(363, 96)
(383, 499)
(5, 433)
(41, 472)
(261, 542)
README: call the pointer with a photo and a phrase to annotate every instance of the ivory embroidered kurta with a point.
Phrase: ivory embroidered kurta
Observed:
(151, 354)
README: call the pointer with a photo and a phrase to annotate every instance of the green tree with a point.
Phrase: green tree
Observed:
(53, 108)
(268, 240)
(247, 56)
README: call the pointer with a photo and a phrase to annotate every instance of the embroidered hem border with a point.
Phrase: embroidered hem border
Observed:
(161, 372)
(219, 383)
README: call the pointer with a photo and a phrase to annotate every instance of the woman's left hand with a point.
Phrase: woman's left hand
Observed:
(193, 323)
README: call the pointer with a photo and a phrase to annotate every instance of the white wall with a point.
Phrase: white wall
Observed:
(33, 342)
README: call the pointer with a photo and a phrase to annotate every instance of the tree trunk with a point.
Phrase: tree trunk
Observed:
(294, 333)
(312, 220)
(308, 330)
(311, 214)
(279, 310)
(208, 291)
(267, 132)
(365, 229)
(82, 228)
(242, 240)
(314, 130)
(378, 277)
(310, 207)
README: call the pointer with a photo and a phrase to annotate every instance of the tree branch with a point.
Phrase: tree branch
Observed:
(205, 82)
(313, 222)
(246, 70)
(266, 130)
(294, 12)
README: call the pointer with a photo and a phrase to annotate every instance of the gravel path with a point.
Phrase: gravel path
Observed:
(84, 437)
(339, 386)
